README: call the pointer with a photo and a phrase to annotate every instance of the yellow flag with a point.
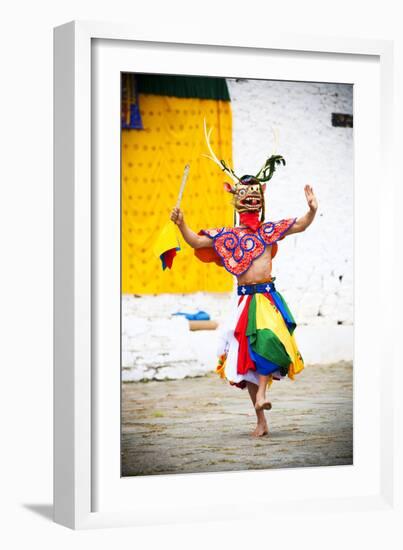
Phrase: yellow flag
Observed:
(166, 245)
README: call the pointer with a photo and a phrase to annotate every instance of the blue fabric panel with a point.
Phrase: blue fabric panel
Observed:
(289, 321)
(263, 366)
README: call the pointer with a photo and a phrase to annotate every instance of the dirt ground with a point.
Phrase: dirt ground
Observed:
(203, 424)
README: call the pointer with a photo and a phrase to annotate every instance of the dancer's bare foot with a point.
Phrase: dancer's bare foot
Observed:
(260, 430)
(262, 404)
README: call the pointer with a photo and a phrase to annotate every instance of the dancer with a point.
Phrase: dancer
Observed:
(259, 345)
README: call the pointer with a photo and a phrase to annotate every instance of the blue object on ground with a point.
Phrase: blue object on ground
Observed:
(199, 316)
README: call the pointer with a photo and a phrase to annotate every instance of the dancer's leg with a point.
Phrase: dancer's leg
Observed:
(261, 426)
(261, 401)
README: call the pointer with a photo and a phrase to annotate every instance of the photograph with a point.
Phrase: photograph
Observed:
(201, 220)
(236, 252)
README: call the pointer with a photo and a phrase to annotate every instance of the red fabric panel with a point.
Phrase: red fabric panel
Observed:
(207, 255)
(244, 360)
(169, 256)
(241, 385)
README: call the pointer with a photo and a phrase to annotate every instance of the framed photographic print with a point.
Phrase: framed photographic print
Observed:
(212, 252)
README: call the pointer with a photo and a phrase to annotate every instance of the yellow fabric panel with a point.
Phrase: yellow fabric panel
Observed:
(153, 161)
(267, 316)
(167, 239)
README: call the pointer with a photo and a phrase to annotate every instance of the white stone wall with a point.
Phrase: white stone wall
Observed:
(314, 270)
(158, 345)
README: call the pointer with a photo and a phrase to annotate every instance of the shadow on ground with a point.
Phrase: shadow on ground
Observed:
(43, 510)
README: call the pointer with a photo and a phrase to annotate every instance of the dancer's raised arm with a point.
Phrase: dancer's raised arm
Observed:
(193, 239)
(305, 221)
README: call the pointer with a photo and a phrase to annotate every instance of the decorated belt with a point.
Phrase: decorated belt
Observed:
(256, 288)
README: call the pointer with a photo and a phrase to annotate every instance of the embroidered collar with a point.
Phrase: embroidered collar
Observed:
(238, 247)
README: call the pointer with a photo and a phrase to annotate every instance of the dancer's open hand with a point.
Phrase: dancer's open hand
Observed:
(177, 216)
(310, 198)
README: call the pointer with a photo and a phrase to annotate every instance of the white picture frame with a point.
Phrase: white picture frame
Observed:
(88, 490)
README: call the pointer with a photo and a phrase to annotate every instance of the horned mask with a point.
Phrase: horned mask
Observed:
(248, 191)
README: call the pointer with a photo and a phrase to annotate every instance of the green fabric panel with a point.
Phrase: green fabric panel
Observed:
(203, 87)
(251, 327)
(266, 343)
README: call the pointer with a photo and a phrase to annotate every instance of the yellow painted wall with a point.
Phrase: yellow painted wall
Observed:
(153, 160)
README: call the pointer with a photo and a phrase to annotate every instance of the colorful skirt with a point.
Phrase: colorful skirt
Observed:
(259, 338)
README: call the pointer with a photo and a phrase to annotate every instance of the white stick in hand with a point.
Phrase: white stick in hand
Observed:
(184, 179)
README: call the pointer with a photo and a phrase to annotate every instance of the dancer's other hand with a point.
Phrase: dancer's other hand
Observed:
(311, 198)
